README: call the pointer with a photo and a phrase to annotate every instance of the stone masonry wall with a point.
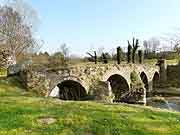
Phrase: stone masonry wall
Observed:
(87, 75)
(6, 59)
(35, 81)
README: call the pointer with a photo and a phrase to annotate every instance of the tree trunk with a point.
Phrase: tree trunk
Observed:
(118, 55)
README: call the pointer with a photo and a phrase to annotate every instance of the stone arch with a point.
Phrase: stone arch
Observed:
(71, 90)
(54, 90)
(144, 79)
(123, 71)
(155, 80)
(119, 86)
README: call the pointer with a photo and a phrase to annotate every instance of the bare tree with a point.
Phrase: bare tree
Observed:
(145, 44)
(16, 33)
(63, 54)
(64, 49)
(29, 15)
(153, 44)
(173, 40)
(100, 51)
(60, 57)
(113, 52)
(177, 47)
(93, 57)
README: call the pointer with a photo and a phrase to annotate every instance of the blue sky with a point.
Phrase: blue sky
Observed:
(85, 24)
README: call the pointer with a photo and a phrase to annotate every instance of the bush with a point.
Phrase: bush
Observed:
(136, 81)
(57, 60)
(3, 72)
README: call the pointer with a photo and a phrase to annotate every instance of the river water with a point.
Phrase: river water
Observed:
(170, 103)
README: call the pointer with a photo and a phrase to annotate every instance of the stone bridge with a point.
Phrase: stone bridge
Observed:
(81, 79)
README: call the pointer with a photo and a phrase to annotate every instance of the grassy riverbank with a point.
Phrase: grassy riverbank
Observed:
(23, 114)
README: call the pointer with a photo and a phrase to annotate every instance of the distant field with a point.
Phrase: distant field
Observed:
(20, 114)
(146, 61)
(154, 61)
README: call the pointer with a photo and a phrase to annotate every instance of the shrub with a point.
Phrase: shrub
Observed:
(3, 72)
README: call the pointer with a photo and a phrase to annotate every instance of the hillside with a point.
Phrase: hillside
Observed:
(22, 113)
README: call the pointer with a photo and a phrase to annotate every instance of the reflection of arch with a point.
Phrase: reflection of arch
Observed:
(156, 79)
(71, 90)
(119, 86)
(145, 80)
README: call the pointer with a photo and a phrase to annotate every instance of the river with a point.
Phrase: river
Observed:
(170, 103)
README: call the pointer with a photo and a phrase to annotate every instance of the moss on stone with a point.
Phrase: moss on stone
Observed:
(135, 79)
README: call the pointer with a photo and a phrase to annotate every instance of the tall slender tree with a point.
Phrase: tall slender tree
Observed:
(95, 57)
(105, 61)
(129, 53)
(140, 56)
(132, 49)
(135, 48)
(119, 55)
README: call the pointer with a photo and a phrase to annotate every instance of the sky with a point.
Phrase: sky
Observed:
(91, 24)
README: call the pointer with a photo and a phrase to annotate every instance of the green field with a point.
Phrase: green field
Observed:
(22, 114)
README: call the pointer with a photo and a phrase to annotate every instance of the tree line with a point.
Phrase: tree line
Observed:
(120, 55)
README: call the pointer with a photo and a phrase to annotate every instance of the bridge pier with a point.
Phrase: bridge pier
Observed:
(103, 91)
(150, 86)
(163, 72)
(150, 89)
(145, 97)
(109, 88)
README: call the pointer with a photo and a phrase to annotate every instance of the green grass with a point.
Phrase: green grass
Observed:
(19, 114)
(3, 72)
